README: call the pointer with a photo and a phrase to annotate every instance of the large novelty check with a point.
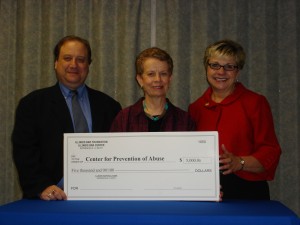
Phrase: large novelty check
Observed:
(142, 166)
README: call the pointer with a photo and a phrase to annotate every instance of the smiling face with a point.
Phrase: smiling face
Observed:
(72, 66)
(220, 80)
(155, 79)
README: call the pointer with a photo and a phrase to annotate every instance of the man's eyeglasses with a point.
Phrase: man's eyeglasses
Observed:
(227, 67)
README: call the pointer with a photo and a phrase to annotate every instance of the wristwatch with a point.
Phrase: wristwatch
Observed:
(242, 162)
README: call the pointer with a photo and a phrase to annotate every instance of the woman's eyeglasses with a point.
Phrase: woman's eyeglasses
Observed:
(227, 67)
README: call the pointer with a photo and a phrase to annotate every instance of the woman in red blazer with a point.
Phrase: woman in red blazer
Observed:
(249, 150)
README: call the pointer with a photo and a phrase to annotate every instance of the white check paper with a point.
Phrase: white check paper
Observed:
(142, 166)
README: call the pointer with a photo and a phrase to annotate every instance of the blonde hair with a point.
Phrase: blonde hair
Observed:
(225, 48)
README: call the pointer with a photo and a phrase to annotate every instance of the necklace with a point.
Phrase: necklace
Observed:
(156, 117)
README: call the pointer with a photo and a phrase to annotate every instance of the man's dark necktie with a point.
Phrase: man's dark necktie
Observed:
(78, 116)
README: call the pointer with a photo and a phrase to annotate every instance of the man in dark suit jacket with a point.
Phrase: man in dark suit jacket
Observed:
(43, 116)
